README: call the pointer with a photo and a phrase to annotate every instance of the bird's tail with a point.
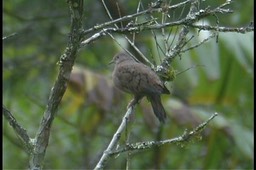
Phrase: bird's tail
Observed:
(158, 107)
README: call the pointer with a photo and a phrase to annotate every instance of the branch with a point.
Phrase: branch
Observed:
(106, 155)
(20, 131)
(200, 43)
(129, 17)
(109, 152)
(185, 137)
(241, 30)
(127, 29)
(9, 36)
(66, 63)
(192, 17)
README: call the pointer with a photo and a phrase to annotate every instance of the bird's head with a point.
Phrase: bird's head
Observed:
(118, 58)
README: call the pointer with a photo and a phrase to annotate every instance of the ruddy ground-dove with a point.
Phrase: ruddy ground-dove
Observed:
(140, 80)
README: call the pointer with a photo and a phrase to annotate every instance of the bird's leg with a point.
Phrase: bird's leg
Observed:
(134, 101)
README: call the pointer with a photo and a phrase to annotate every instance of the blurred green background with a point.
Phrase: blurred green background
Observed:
(92, 108)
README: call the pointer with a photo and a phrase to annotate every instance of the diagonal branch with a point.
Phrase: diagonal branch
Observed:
(66, 63)
(20, 131)
(106, 155)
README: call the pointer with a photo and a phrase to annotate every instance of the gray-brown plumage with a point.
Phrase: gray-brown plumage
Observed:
(140, 80)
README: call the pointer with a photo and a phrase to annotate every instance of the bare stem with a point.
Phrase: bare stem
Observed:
(106, 155)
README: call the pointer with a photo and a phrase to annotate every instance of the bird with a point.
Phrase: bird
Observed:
(140, 80)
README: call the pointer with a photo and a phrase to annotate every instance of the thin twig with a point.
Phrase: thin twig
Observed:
(242, 30)
(106, 9)
(9, 36)
(194, 66)
(200, 43)
(139, 52)
(122, 46)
